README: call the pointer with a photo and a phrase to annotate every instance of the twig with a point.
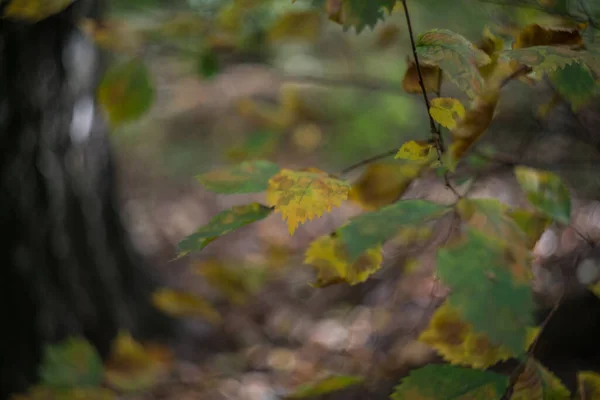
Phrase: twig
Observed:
(437, 137)
(368, 161)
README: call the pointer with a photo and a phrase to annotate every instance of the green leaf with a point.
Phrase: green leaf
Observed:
(449, 382)
(575, 83)
(369, 12)
(546, 192)
(223, 223)
(456, 56)
(126, 92)
(373, 228)
(71, 364)
(324, 386)
(247, 177)
(484, 290)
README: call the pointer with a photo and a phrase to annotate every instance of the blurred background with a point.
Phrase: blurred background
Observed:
(232, 85)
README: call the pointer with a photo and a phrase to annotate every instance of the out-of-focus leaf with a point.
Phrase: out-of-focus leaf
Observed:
(357, 13)
(535, 35)
(222, 224)
(247, 177)
(432, 76)
(383, 183)
(302, 25)
(449, 382)
(303, 195)
(546, 192)
(575, 83)
(34, 10)
(132, 368)
(43, 392)
(324, 386)
(126, 92)
(179, 304)
(71, 364)
(257, 145)
(209, 64)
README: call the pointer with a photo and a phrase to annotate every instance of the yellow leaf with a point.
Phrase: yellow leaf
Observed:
(327, 254)
(447, 111)
(307, 136)
(456, 341)
(132, 367)
(34, 10)
(304, 25)
(383, 184)
(303, 195)
(178, 304)
(235, 283)
(416, 150)
(589, 385)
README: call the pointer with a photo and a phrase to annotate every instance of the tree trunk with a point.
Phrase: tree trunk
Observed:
(68, 266)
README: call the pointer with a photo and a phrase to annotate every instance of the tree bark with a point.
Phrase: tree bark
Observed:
(67, 264)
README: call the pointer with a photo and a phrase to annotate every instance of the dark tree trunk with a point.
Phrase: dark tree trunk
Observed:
(67, 264)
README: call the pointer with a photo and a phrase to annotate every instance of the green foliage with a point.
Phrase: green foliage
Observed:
(247, 177)
(504, 306)
(324, 386)
(576, 83)
(223, 223)
(71, 364)
(546, 192)
(448, 382)
(371, 229)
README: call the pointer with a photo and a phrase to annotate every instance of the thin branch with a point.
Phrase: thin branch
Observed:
(368, 161)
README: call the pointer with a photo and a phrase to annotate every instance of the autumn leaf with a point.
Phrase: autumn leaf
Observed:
(383, 183)
(456, 56)
(324, 386)
(72, 363)
(303, 195)
(416, 150)
(34, 10)
(222, 224)
(131, 367)
(357, 13)
(546, 192)
(544, 59)
(476, 268)
(449, 382)
(432, 76)
(456, 341)
(180, 304)
(447, 111)
(247, 177)
(126, 92)
(536, 382)
(327, 254)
